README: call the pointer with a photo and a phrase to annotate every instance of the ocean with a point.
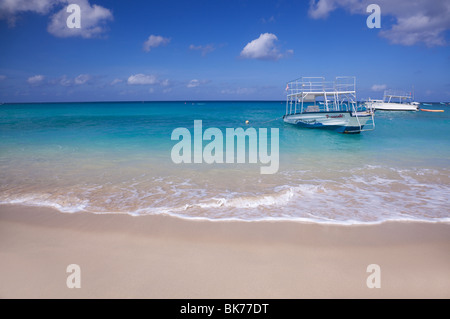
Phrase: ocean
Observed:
(115, 158)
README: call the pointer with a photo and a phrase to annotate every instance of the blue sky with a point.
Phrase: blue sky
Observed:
(218, 50)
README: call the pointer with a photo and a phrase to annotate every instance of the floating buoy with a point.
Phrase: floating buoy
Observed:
(427, 110)
(246, 122)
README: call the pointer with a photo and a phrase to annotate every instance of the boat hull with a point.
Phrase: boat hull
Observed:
(394, 106)
(342, 122)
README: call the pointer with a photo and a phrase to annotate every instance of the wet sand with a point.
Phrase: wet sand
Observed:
(122, 256)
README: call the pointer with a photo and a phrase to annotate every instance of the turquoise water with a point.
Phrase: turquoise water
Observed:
(116, 158)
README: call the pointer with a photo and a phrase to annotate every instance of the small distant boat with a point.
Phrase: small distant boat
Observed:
(394, 101)
(427, 104)
(339, 110)
(428, 110)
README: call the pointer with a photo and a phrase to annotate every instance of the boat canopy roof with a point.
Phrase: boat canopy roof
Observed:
(308, 88)
(397, 94)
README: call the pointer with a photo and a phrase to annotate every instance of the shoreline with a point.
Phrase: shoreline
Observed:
(300, 220)
(123, 256)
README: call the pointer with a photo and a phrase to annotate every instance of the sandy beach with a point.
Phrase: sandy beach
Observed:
(121, 256)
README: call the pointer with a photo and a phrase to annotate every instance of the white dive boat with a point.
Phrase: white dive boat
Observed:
(394, 101)
(312, 102)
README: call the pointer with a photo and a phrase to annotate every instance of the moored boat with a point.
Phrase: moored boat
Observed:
(313, 102)
(394, 101)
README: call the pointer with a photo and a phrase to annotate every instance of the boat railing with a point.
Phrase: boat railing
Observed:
(314, 94)
(397, 96)
(319, 85)
(329, 107)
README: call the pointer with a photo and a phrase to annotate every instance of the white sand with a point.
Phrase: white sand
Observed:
(164, 257)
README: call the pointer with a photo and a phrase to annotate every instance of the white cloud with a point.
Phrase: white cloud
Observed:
(9, 9)
(165, 82)
(262, 48)
(378, 87)
(289, 52)
(149, 79)
(419, 28)
(68, 81)
(142, 79)
(82, 79)
(116, 81)
(204, 49)
(154, 41)
(36, 79)
(193, 83)
(93, 17)
(93, 21)
(16, 6)
(321, 9)
(419, 21)
(64, 81)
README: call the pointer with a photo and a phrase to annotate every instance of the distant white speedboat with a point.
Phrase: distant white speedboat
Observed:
(339, 110)
(393, 101)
